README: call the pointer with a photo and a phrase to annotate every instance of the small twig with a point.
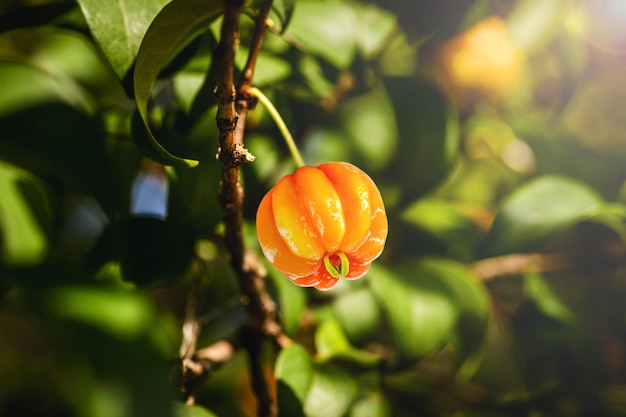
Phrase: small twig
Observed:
(260, 25)
(195, 298)
(518, 263)
(197, 368)
(515, 264)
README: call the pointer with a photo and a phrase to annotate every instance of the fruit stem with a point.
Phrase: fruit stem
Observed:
(255, 92)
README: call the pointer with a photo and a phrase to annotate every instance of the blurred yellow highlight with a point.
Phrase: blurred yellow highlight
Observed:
(482, 60)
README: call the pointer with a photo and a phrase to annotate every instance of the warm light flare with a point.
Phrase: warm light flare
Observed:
(481, 59)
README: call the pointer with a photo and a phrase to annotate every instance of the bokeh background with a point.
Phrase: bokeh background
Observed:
(495, 130)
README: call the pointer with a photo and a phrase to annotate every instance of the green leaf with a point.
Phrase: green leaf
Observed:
(184, 410)
(373, 405)
(325, 144)
(547, 301)
(380, 39)
(119, 26)
(22, 240)
(292, 300)
(331, 393)
(294, 374)
(612, 216)
(172, 29)
(124, 315)
(119, 313)
(332, 344)
(269, 68)
(283, 11)
(422, 320)
(443, 220)
(537, 210)
(431, 303)
(358, 313)
(24, 86)
(309, 389)
(376, 25)
(370, 123)
(326, 29)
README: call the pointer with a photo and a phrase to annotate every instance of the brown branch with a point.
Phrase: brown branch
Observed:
(194, 370)
(260, 308)
(260, 25)
(604, 258)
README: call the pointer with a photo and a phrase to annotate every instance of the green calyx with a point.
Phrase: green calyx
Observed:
(338, 266)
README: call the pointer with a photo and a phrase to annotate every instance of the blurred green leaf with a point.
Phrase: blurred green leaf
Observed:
(331, 393)
(270, 69)
(327, 144)
(429, 129)
(182, 20)
(539, 209)
(370, 123)
(310, 389)
(422, 320)
(71, 58)
(283, 11)
(430, 303)
(194, 77)
(399, 57)
(291, 298)
(546, 299)
(332, 344)
(130, 316)
(23, 240)
(119, 26)
(373, 405)
(376, 26)
(24, 86)
(314, 77)
(358, 313)
(124, 315)
(317, 24)
(443, 220)
(500, 372)
(612, 216)
(380, 39)
(194, 195)
(294, 375)
(184, 410)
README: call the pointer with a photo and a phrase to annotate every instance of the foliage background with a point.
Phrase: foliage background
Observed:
(499, 152)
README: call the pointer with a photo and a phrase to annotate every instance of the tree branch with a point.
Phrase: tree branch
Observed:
(260, 25)
(602, 258)
(260, 308)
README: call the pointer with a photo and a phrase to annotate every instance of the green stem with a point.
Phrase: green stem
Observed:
(255, 92)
